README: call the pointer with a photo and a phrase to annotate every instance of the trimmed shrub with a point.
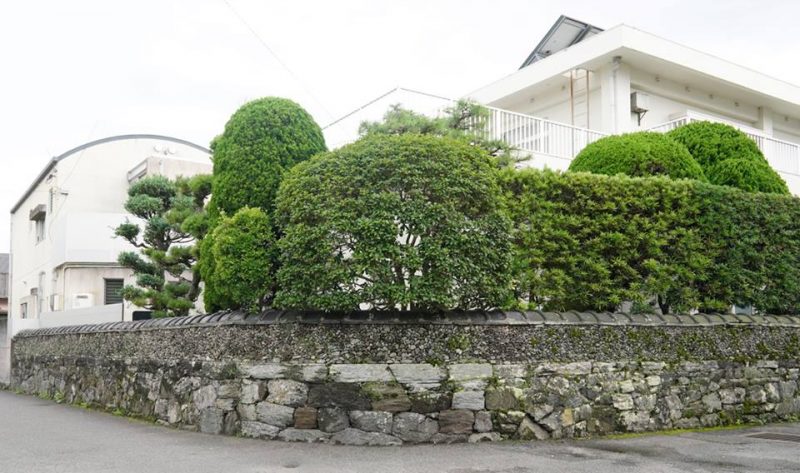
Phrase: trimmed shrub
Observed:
(749, 175)
(261, 141)
(405, 222)
(752, 241)
(711, 142)
(242, 248)
(590, 242)
(585, 241)
(638, 154)
(729, 157)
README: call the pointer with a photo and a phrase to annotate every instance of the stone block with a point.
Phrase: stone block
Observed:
(332, 419)
(275, 414)
(204, 397)
(287, 392)
(419, 373)
(413, 427)
(247, 412)
(510, 373)
(539, 411)
(266, 370)
(313, 373)
(574, 369)
(303, 435)
(229, 391)
(503, 398)
(425, 402)
(472, 400)
(388, 397)
(485, 437)
(623, 402)
(456, 421)
(253, 392)
(483, 421)
(361, 373)
(211, 421)
(305, 418)
(529, 430)
(471, 371)
(372, 421)
(345, 395)
(259, 430)
(359, 437)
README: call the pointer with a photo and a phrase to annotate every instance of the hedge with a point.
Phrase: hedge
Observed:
(638, 154)
(584, 241)
(406, 222)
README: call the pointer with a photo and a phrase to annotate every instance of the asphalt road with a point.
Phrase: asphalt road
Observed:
(42, 436)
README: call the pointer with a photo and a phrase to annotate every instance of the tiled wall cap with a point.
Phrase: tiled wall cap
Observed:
(401, 318)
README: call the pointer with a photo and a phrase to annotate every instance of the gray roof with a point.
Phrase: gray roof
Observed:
(4, 259)
(53, 161)
(564, 33)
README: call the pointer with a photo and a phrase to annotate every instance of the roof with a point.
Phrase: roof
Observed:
(655, 54)
(51, 164)
(564, 33)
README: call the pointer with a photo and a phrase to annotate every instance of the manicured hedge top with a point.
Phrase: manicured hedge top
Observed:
(729, 157)
(638, 154)
(261, 141)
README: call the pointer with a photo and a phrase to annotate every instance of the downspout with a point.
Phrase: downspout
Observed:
(614, 68)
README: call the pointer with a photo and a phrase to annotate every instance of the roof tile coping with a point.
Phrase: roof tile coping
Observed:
(488, 318)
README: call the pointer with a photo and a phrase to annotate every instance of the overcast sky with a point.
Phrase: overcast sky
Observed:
(74, 71)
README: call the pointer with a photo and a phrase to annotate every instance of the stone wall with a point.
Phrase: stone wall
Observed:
(377, 379)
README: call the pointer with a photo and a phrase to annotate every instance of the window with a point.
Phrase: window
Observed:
(113, 291)
(23, 310)
(39, 230)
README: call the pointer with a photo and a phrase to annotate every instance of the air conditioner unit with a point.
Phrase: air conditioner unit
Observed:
(82, 300)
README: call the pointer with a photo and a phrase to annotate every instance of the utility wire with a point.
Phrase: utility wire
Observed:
(275, 56)
(382, 96)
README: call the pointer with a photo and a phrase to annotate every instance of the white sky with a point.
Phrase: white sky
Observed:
(78, 70)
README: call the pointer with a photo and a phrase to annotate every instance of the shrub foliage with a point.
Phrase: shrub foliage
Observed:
(262, 140)
(242, 248)
(638, 154)
(584, 241)
(729, 157)
(167, 280)
(406, 222)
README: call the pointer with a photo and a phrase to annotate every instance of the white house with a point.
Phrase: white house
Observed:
(581, 83)
(63, 252)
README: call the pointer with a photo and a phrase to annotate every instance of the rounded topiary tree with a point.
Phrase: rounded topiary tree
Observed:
(242, 254)
(749, 175)
(262, 140)
(406, 222)
(638, 154)
(729, 157)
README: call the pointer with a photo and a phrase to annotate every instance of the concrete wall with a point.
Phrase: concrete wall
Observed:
(84, 196)
(390, 379)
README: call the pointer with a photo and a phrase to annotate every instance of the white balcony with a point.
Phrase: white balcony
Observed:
(554, 145)
(550, 144)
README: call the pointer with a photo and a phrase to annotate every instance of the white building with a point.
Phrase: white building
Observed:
(581, 83)
(63, 252)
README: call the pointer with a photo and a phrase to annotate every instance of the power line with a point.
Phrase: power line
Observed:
(396, 89)
(275, 56)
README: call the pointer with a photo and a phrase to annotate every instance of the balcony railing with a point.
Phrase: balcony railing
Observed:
(783, 156)
(538, 136)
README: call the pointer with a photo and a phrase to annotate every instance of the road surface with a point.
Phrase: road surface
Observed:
(42, 436)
